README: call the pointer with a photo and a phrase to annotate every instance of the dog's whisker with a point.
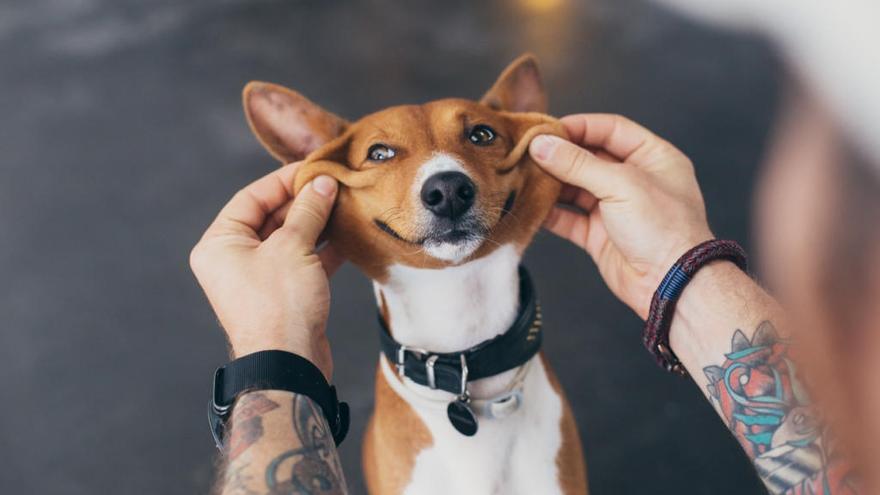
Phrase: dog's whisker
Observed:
(493, 241)
(505, 215)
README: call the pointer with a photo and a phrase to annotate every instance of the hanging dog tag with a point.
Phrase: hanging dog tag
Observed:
(460, 414)
(462, 417)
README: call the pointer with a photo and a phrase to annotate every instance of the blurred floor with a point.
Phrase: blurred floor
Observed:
(122, 134)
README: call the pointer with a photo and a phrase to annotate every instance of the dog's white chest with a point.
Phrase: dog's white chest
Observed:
(449, 310)
(513, 455)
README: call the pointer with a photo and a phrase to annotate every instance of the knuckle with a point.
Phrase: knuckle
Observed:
(196, 257)
(617, 119)
(618, 122)
(665, 147)
(292, 239)
(576, 162)
(311, 212)
(675, 158)
(686, 162)
(239, 195)
(289, 234)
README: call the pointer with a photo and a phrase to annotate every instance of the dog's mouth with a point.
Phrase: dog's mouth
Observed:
(384, 227)
(467, 230)
(455, 235)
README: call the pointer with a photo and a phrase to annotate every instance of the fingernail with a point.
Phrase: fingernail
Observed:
(542, 146)
(324, 185)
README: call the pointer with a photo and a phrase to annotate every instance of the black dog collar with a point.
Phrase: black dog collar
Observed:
(453, 370)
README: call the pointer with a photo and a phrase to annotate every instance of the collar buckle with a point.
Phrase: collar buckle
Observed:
(429, 359)
(429, 369)
(464, 395)
(401, 357)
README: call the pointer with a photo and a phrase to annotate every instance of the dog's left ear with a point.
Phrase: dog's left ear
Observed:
(518, 88)
(289, 125)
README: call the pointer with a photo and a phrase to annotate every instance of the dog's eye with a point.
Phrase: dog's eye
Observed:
(481, 135)
(380, 153)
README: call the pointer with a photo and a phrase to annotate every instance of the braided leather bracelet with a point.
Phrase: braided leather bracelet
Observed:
(656, 336)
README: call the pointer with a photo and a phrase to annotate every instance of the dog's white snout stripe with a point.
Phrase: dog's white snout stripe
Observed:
(440, 162)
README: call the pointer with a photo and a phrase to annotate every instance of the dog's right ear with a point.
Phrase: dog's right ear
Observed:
(288, 124)
(518, 88)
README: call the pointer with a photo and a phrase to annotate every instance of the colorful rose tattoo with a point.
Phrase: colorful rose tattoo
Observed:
(759, 395)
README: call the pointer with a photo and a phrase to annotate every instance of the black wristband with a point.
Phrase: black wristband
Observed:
(274, 370)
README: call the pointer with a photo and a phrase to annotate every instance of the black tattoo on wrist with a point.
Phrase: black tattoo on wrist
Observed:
(313, 468)
(247, 422)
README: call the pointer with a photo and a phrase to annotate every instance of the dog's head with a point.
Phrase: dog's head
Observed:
(427, 185)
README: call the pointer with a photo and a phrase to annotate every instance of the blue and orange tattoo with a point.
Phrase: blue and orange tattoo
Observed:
(759, 394)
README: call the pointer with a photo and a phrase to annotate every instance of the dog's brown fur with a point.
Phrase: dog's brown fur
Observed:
(402, 434)
(570, 459)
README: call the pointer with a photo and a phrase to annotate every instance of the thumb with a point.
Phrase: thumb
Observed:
(310, 211)
(577, 166)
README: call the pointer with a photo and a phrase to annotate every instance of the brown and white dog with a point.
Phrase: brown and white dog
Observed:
(437, 204)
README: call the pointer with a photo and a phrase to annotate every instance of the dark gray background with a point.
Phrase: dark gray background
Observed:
(121, 135)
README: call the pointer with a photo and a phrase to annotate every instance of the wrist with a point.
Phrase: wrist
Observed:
(714, 292)
(699, 293)
(313, 346)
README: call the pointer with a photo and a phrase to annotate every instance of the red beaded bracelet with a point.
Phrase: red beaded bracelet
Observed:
(656, 336)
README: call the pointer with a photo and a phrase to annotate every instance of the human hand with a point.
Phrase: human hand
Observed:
(258, 265)
(632, 203)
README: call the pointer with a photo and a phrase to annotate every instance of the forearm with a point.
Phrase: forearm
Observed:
(279, 443)
(718, 301)
(731, 337)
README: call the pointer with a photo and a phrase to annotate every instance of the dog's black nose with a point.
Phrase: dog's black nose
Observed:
(448, 194)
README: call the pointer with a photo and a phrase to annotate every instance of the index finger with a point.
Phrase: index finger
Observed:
(615, 134)
(247, 211)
